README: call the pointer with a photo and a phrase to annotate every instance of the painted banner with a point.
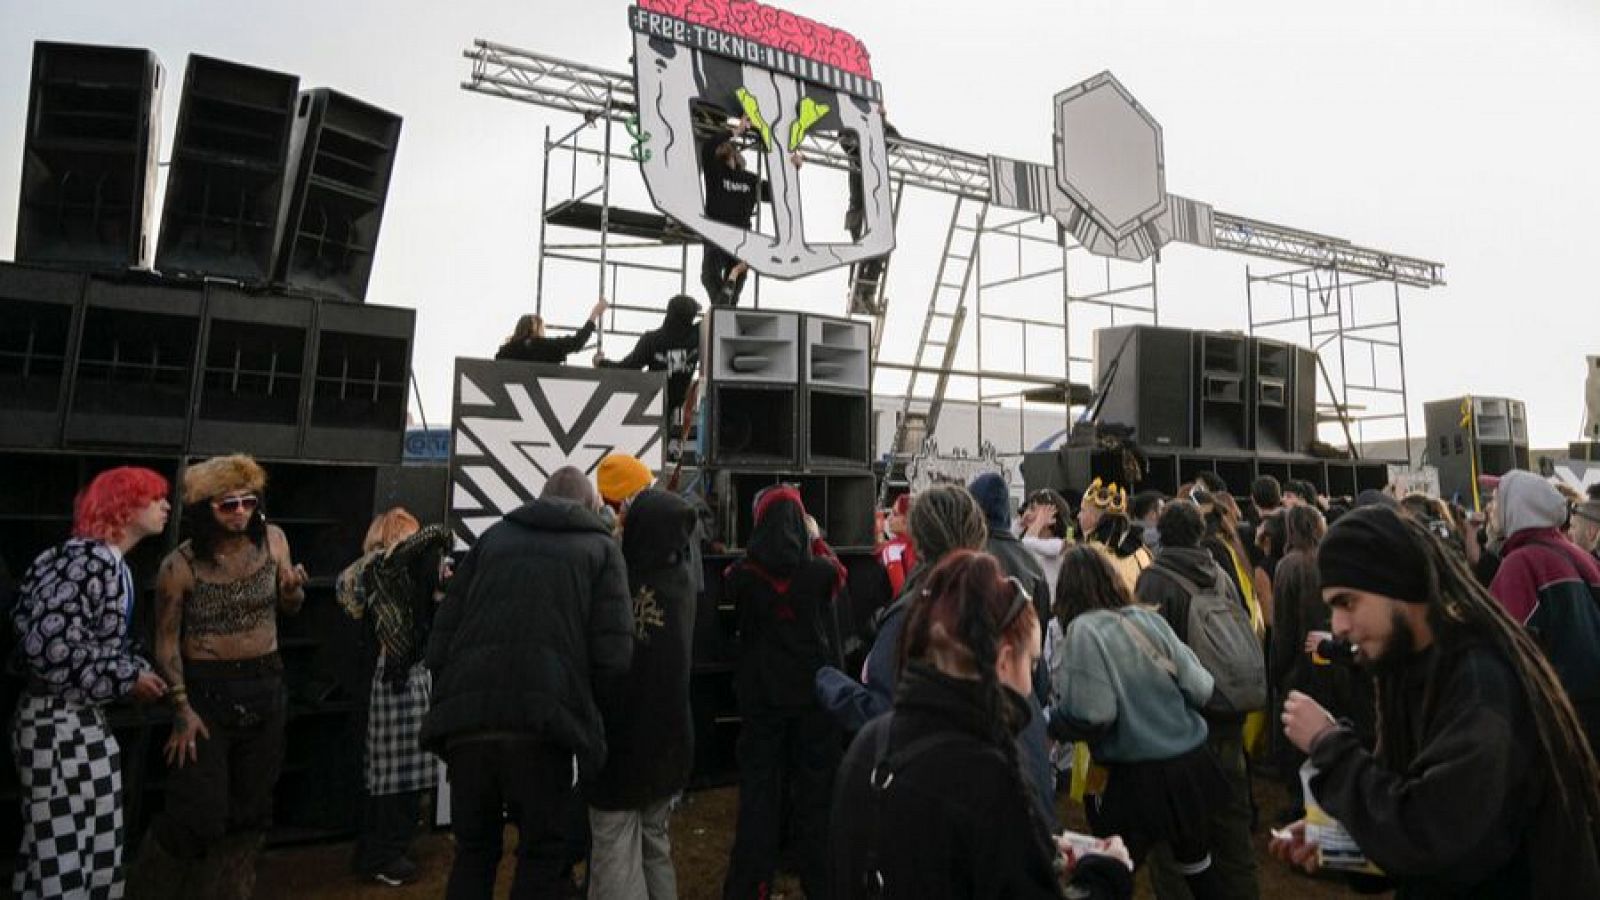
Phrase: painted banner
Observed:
(515, 423)
(712, 61)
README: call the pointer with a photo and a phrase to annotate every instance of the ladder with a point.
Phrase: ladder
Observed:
(941, 329)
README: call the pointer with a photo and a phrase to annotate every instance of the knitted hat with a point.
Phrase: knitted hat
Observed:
(1369, 549)
(222, 475)
(994, 498)
(621, 476)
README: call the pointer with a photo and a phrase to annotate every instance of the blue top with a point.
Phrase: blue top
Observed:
(1110, 692)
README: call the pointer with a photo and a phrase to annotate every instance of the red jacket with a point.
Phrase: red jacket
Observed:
(898, 557)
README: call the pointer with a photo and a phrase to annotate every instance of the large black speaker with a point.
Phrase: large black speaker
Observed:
(1273, 396)
(1304, 391)
(1221, 401)
(225, 185)
(837, 384)
(360, 383)
(134, 370)
(89, 156)
(341, 155)
(1488, 435)
(751, 361)
(38, 328)
(253, 373)
(1145, 374)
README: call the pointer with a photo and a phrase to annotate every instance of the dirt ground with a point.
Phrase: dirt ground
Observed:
(702, 832)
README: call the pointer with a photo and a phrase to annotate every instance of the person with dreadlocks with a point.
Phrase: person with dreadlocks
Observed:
(1103, 519)
(1482, 783)
(1133, 691)
(392, 590)
(218, 597)
(931, 801)
(785, 590)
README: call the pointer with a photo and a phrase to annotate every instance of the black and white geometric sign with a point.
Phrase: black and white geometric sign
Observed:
(515, 423)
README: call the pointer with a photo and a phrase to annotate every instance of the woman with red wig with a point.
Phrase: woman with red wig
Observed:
(938, 805)
(784, 590)
(71, 620)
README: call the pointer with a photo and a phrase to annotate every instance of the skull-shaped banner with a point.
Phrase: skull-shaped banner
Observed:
(789, 77)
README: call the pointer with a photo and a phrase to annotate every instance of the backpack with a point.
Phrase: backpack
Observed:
(1222, 639)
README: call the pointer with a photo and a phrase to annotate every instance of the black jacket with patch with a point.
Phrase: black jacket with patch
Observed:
(649, 731)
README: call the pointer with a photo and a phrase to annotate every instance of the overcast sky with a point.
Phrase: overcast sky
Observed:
(1463, 131)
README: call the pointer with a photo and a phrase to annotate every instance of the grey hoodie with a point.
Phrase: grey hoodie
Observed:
(1524, 500)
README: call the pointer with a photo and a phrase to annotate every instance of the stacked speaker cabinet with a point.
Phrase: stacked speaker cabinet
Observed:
(252, 379)
(359, 383)
(134, 370)
(89, 157)
(38, 330)
(1145, 375)
(1272, 396)
(838, 393)
(342, 152)
(226, 184)
(1304, 392)
(753, 373)
(1486, 435)
(1222, 399)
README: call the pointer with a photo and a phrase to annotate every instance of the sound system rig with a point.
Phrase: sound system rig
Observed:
(250, 334)
(1200, 401)
(1474, 436)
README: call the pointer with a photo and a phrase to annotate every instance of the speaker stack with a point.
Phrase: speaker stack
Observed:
(1482, 435)
(1202, 401)
(251, 335)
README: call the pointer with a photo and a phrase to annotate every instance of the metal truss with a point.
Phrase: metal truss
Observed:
(1292, 245)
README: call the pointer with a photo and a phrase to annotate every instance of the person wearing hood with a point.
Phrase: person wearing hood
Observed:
(1481, 783)
(1550, 586)
(674, 348)
(785, 591)
(1585, 531)
(648, 729)
(537, 611)
(931, 802)
(1165, 587)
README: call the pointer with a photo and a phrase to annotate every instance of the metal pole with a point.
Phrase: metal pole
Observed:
(1250, 300)
(1344, 372)
(977, 301)
(605, 217)
(544, 204)
(1155, 290)
(1400, 347)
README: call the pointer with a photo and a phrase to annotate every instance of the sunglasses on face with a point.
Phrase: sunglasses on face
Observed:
(1020, 598)
(242, 503)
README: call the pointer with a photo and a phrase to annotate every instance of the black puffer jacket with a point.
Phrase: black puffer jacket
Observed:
(538, 609)
(649, 731)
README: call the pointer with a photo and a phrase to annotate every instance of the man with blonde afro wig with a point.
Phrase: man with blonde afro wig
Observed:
(218, 597)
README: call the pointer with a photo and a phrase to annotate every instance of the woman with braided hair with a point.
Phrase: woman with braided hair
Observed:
(931, 801)
(1482, 783)
(943, 519)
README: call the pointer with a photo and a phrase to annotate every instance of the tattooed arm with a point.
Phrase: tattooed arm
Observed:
(291, 577)
(175, 582)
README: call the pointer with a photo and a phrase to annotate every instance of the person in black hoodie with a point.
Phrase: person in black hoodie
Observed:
(931, 801)
(732, 193)
(529, 344)
(1482, 783)
(649, 732)
(1182, 528)
(538, 609)
(784, 590)
(674, 348)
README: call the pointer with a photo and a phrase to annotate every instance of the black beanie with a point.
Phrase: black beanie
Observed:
(1370, 549)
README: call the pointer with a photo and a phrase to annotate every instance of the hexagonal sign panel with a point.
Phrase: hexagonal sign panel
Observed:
(1108, 155)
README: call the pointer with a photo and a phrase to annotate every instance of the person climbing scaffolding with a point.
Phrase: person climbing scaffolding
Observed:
(732, 192)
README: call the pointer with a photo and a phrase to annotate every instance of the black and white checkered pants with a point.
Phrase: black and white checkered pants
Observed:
(396, 762)
(70, 774)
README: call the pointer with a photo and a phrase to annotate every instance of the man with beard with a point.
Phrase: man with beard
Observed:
(218, 596)
(1482, 783)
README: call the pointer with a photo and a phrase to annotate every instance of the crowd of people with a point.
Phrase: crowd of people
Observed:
(1428, 674)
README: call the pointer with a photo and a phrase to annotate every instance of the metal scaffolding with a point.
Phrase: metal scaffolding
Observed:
(1091, 287)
